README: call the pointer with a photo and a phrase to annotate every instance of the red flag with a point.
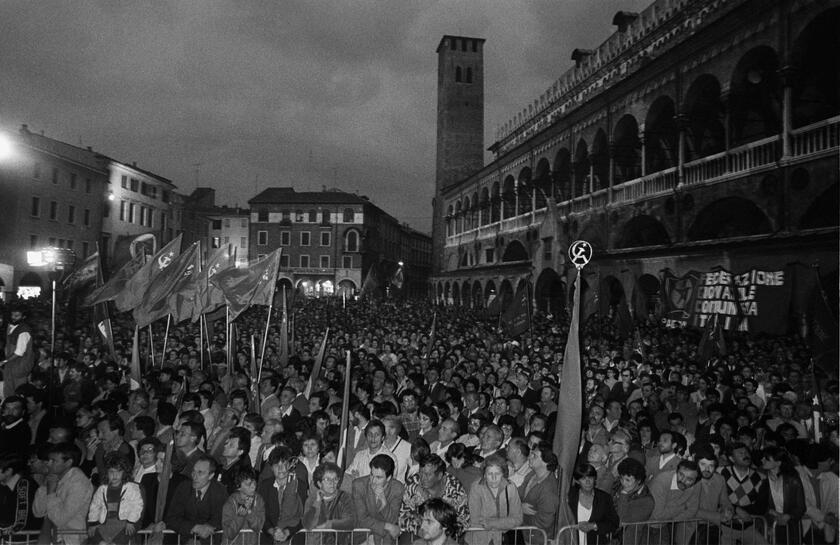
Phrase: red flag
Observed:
(117, 282)
(569, 411)
(181, 301)
(249, 285)
(316, 368)
(155, 303)
(210, 297)
(517, 318)
(134, 292)
(371, 283)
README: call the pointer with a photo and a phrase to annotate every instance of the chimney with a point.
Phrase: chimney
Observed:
(24, 129)
(134, 164)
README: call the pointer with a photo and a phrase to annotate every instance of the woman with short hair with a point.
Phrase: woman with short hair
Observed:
(494, 504)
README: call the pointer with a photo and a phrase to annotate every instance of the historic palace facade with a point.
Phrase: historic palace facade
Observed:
(701, 134)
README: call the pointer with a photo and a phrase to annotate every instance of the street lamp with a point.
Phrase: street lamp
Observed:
(56, 261)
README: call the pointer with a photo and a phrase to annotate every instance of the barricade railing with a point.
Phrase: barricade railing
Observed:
(520, 535)
(752, 531)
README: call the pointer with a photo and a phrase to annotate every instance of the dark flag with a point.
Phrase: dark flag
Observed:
(517, 318)
(84, 277)
(117, 282)
(371, 283)
(623, 321)
(155, 303)
(101, 317)
(494, 307)
(398, 279)
(822, 330)
(209, 297)
(569, 411)
(431, 345)
(134, 291)
(242, 285)
(712, 340)
(181, 301)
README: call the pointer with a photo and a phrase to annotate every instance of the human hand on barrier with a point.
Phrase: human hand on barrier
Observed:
(92, 530)
(129, 529)
(587, 526)
(727, 514)
(528, 509)
(392, 529)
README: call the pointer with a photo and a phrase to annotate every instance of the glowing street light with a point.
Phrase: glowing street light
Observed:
(55, 260)
(6, 147)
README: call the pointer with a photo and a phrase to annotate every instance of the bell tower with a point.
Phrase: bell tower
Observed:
(460, 123)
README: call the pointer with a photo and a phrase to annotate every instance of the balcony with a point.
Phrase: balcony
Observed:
(806, 143)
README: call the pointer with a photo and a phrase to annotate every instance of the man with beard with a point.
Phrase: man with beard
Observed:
(20, 358)
(675, 497)
(15, 433)
(715, 506)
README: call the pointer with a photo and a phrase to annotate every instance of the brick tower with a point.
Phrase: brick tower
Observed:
(460, 123)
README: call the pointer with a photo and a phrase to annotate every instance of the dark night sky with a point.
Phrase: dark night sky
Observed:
(300, 93)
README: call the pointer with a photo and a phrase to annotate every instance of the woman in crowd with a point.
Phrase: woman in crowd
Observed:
(592, 508)
(494, 504)
(785, 495)
(633, 501)
(327, 508)
(460, 462)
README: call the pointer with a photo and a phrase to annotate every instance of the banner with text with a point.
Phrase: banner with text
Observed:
(754, 300)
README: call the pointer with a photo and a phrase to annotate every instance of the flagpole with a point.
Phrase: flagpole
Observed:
(152, 346)
(201, 342)
(345, 410)
(227, 338)
(530, 324)
(165, 338)
(203, 318)
(267, 323)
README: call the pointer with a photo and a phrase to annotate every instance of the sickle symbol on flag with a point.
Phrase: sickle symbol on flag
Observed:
(580, 252)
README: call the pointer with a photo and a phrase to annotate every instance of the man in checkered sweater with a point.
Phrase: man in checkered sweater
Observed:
(743, 484)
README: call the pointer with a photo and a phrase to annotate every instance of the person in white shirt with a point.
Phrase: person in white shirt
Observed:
(399, 448)
(517, 454)
(360, 467)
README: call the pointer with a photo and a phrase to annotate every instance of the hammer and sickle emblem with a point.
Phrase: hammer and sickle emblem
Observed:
(580, 252)
(164, 261)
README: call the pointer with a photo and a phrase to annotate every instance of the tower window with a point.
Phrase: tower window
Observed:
(469, 74)
(463, 45)
(457, 73)
(475, 46)
(454, 43)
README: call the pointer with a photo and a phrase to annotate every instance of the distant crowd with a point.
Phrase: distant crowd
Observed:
(449, 430)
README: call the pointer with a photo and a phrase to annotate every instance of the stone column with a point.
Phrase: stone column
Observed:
(643, 151)
(682, 128)
(611, 150)
(787, 75)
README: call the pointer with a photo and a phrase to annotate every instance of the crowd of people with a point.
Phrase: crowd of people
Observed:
(448, 430)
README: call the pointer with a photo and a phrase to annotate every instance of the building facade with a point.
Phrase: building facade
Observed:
(137, 202)
(698, 135)
(52, 195)
(229, 226)
(331, 239)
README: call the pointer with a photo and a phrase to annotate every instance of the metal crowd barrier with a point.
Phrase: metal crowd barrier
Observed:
(754, 531)
(520, 535)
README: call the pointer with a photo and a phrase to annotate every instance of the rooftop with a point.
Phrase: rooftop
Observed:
(288, 195)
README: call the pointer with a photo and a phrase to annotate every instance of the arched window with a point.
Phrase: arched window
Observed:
(299, 215)
(351, 242)
(349, 215)
(469, 74)
(458, 74)
(313, 216)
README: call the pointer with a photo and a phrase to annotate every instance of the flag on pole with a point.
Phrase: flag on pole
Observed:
(249, 285)
(517, 318)
(712, 340)
(117, 282)
(134, 291)
(569, 411)
(101, 317)
(345, 416)
(623, 321)
(135, 357)
(822, 330)
(84, 276)
(175, 275)
(284, 333)
(316, 368)
(431, 344)
(398, 279)
(209, 297)
(371, 283)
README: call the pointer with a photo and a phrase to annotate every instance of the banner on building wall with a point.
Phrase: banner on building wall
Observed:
(756, 300)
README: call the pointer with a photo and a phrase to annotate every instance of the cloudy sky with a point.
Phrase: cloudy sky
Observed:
(260, 94)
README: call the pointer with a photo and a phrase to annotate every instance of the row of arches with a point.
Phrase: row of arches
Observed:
(723, 218)
(706, 121)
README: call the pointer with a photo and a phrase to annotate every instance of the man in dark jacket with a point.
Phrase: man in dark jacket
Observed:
(282, 496)
(196, 506)
(15, 433)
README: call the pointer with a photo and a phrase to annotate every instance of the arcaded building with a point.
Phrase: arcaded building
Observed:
(700, 137)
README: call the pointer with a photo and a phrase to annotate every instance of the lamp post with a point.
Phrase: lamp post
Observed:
(55, 261)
